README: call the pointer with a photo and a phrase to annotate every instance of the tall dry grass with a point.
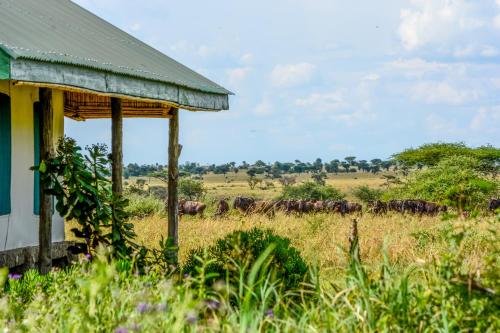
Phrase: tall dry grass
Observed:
(323, 238)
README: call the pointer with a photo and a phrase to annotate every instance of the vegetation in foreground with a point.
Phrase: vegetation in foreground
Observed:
(312, 272)
(446, 293)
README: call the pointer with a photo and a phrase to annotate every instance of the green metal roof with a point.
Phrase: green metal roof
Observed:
(46, 36)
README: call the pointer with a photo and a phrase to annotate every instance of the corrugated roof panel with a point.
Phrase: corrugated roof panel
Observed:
(60, 31)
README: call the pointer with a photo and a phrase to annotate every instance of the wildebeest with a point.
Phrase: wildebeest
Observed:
(222, 208)
(494, 204)
(243, 204)
(266, 207)
(377, 207)
(191, 207)
(416, 207)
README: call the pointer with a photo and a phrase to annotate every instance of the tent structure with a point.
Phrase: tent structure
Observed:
(59, 60)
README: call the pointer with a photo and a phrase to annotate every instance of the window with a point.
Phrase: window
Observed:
(5, 154)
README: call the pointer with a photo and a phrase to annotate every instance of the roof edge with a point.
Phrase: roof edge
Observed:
(116, 84)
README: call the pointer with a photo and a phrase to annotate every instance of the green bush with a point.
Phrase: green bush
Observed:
(238, 252)
(311, 191)
(366, 194)
(456, 181)
(191, 189)
(142, 206)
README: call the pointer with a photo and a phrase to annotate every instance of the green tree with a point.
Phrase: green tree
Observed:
(366, 194)
(311, 191)
(431, 154)
(456, 181)
(191, 189)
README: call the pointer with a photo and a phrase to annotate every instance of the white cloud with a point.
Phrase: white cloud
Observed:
(435, 21)
(263, 108)
(204, 50)
(442, 125)
(432, 92)
(236, 75)
(417, 67)
(247, 58)
(489, 51)
(486, 119)
(292, 75)
(319, 102)
(371, 77)
(496, 21)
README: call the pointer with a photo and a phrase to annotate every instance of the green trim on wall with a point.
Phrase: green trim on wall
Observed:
(4, 66)
(5, 154)
(36, 145)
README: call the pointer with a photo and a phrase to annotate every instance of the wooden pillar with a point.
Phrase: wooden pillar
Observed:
(46, 152)
(117, 145)
(174, 151)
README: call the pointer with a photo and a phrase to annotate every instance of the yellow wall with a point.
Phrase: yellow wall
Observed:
(21, 226)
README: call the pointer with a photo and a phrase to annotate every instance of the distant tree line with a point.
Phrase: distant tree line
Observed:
(427, 155)
(271, 170)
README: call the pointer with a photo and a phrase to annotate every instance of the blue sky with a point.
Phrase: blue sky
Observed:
(318, 78)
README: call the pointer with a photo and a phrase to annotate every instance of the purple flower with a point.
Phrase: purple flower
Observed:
(142, 307)
(88, 256)
(121, 330)
(14, 276)
(212, 304)
(186, 276)
(191, 318)
(270, 313)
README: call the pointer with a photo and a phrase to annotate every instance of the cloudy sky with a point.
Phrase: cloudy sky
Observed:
(318, 78)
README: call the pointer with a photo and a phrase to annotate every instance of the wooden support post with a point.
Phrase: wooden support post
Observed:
(46, 152)
(117, 145)
(174, 151)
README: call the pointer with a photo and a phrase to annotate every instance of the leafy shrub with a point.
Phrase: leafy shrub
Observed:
(241, 249)
(366, 194)
(159, 192)
(143, 206)
(191, 189)
(81, 183)
(311, 191)
(456, 181)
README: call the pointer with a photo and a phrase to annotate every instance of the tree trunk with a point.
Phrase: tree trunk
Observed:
(117, 145)
(46, 152)
(174, 151)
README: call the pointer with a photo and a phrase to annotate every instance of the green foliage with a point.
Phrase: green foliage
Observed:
(82, 187)
(365, 193)
(311, 191)
(106, 295)
(240, 250)
(454, 181)
(191, 189)
(142, 206)
(431, 154)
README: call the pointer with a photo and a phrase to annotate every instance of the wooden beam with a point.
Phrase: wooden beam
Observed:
(117, 145)
(174, 151)
(46, 152)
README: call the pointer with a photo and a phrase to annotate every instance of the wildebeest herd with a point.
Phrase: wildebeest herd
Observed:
(247, 205)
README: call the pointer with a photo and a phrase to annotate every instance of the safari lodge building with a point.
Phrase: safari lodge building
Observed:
(57, 61)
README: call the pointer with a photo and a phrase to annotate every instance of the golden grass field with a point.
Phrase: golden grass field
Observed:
(321, 238)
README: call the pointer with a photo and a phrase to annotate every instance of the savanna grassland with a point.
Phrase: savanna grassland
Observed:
(402, 273)
(321, 238)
